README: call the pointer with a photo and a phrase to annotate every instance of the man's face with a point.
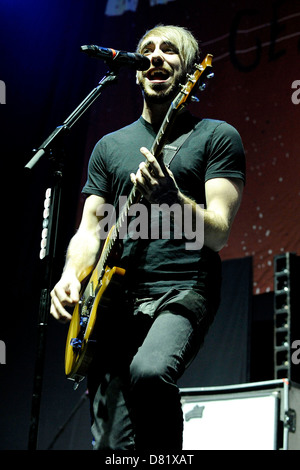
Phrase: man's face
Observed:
(160, 82)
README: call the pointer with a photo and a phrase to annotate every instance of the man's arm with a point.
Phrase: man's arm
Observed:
(81, 256)
(223, 198)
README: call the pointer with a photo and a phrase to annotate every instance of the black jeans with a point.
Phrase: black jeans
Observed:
(135, 401)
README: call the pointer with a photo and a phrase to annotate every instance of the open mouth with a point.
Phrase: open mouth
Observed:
(158, 75)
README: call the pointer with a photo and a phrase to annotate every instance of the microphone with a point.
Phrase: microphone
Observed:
(120, 58)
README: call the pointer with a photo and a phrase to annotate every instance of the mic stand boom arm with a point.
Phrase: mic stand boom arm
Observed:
(72, 119)
(49, 254)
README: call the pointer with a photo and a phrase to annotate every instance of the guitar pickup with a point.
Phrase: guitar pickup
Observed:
(76, 344)
(83, 321)
(86, 306)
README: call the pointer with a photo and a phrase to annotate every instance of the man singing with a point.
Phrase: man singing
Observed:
(171, 292)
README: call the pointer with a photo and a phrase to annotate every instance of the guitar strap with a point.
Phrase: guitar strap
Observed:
(170, 151)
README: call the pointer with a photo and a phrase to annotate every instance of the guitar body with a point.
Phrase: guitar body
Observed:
(81, 339)
(101, 286)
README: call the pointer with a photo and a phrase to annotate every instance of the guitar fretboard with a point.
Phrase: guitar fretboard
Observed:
(156, 149)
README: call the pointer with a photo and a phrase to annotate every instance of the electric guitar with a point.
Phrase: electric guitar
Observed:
(100, 283)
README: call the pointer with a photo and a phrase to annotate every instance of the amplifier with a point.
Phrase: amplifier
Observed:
(253, 416)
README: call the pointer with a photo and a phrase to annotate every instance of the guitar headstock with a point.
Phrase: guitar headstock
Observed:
(200, 74)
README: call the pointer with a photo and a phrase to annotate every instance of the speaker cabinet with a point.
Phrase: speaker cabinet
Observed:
(255, 416)
(287, 317)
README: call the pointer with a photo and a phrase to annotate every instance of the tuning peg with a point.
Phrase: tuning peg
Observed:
(194, 99)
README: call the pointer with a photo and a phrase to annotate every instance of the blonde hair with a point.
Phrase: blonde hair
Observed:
(181, 37)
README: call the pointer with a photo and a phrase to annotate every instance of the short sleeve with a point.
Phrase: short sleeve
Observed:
(98, 181)
(226, 154)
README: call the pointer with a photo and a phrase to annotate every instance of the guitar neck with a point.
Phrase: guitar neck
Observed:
(156, 150)
(178, 104)
(134, 195)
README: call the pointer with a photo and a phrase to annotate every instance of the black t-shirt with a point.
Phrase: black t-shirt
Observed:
(213, 150)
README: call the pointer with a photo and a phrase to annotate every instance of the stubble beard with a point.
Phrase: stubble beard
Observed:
(158, 95)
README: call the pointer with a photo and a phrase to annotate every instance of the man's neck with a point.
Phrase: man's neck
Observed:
(155, 113)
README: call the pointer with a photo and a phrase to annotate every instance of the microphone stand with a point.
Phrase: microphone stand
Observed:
(51, 217)
(63, 426)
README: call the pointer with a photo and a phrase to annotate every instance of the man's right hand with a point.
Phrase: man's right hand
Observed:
(64, 294)
(82, 254)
